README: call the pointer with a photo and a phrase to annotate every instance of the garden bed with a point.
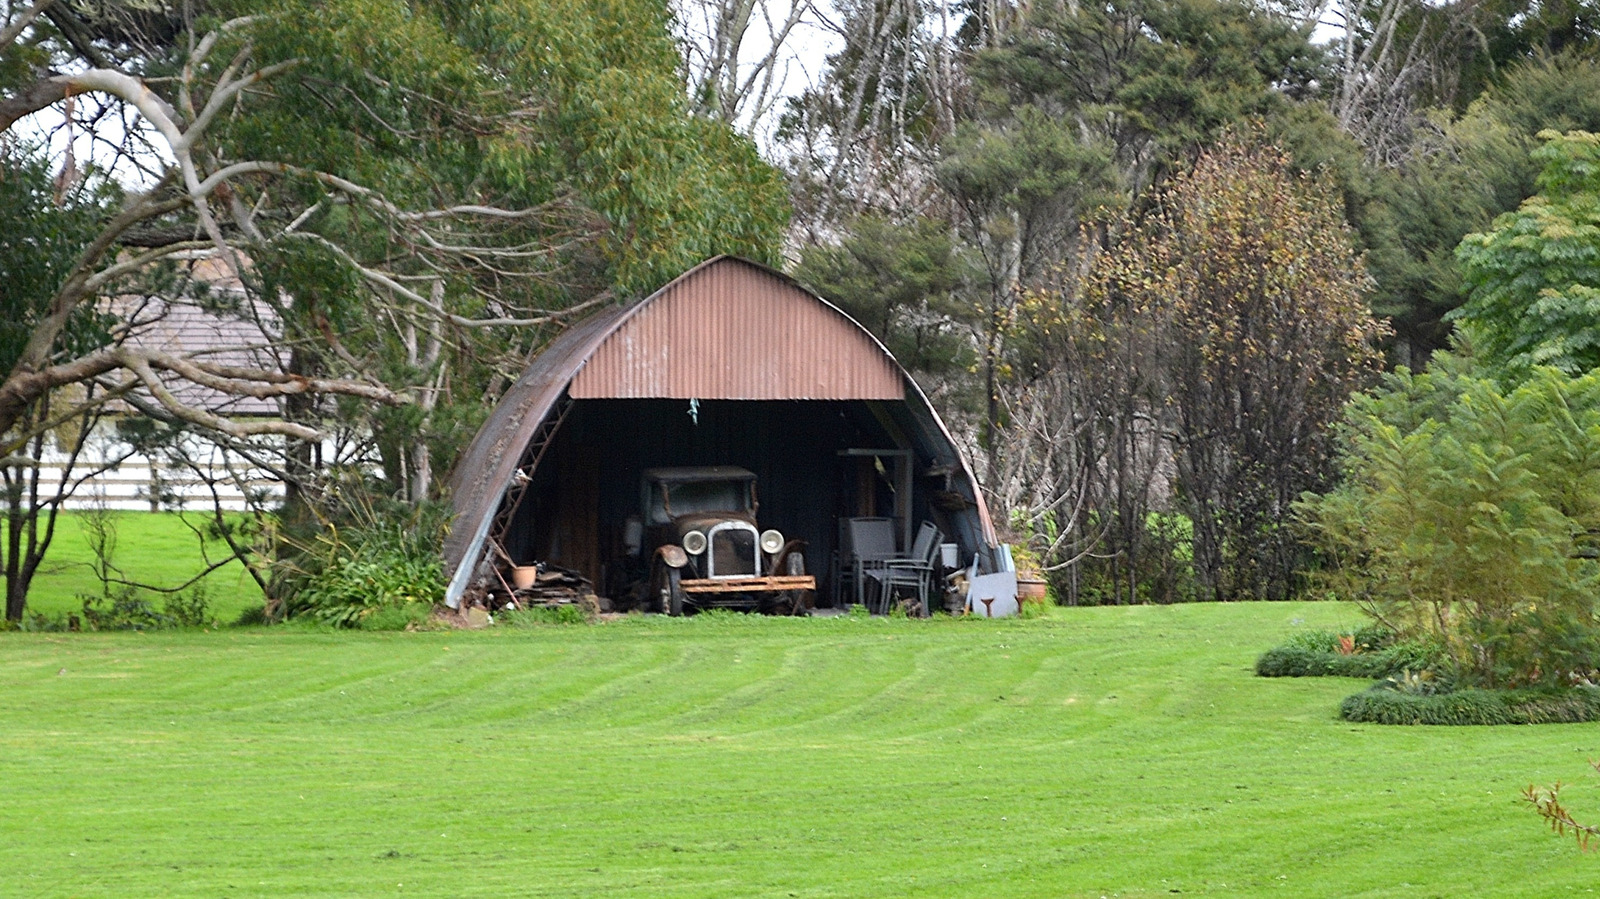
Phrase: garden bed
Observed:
(1408, 690)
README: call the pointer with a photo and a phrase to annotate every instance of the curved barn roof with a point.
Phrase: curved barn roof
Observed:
(726, 329)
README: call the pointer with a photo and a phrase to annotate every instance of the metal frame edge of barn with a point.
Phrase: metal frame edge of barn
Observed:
(508, 448)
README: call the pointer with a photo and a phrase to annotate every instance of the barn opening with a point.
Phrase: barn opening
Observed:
(730, 365)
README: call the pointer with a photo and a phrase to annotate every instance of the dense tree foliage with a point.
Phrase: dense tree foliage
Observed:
(1534, 280)
(906, 283)
(43, 227)
(1245, 278)
(412, 196)
(1464, 173)
(1049, 148)
(1150, 80)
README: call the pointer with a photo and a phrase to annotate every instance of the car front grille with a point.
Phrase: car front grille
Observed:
(733, 552)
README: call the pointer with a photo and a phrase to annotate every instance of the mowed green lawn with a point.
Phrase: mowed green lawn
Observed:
(156, 548)
(1097, 752)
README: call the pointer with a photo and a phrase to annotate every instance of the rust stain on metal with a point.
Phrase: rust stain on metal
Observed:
(735, 331)
(748, 584)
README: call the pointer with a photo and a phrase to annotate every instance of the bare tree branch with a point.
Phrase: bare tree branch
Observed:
(14, 29)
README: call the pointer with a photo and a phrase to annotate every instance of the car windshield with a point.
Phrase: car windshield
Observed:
(669, 500)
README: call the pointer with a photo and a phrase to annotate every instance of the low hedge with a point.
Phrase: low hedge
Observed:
(1292, 661)
(1295, 661)
(1384, 705)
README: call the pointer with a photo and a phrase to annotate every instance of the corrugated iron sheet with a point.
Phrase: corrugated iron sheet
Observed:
(726, 329)
(738, 332)
(483, 473)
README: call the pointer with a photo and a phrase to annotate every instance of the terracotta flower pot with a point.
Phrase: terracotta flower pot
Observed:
(1029, 588)
(524, 576)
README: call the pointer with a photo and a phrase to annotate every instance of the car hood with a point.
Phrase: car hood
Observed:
(704, 521)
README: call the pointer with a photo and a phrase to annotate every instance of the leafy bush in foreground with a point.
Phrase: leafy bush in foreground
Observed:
(352, 589)
(379, 573)
(1292, 661)
(128, 609)
(1367, 638)
(1382, 704)
(1471, 514)
(1297, 658)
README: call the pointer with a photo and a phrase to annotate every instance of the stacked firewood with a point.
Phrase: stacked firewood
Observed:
(556, 586)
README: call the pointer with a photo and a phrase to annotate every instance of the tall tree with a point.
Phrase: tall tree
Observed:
(1473, 169)
(1247, 274)
(44, 225)
(907, 284)
(1153, 79)
(739, 55)
(860, 141)
(1079, 109)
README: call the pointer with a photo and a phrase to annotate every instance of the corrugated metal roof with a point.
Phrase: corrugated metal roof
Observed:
(800, 347)
(484, 472)
(738, 332)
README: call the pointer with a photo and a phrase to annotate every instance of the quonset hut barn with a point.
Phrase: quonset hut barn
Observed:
(734, 370)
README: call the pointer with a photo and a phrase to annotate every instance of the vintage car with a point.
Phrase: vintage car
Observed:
(697, 527)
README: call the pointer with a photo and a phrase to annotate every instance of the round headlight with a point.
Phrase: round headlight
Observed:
(673, 556)
(771, 542)
(694, 543)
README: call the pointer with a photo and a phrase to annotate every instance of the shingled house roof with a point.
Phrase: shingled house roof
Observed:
(223, 325)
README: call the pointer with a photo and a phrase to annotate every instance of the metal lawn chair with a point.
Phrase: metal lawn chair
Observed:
(867, 542)
(914, 570)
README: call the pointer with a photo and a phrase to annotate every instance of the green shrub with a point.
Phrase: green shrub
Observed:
(1372, 637)
(1416, 683)
(1470, 514)
(1555, 707)
(190, 608)
(379, 566)
(1382, 704)
(128, 609)
(1296, 659)
(1417, 655)
(124, 609)
(1290, 661)
(252, 616)
(1313, 641)
(1150, 562)
(350, 590)
(40, 623)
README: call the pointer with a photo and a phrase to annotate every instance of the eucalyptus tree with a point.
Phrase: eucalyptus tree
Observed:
(411, 198)
(739, 56)
(453, 168)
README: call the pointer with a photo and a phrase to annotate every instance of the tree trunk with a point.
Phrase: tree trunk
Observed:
(300, 453)
(16, 590)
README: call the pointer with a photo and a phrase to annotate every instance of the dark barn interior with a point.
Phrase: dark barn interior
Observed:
(815, 461)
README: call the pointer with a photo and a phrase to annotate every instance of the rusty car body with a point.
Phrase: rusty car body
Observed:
(697, 525)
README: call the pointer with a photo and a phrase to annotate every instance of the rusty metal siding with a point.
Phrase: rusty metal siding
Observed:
(484, 471)
(735, 331)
